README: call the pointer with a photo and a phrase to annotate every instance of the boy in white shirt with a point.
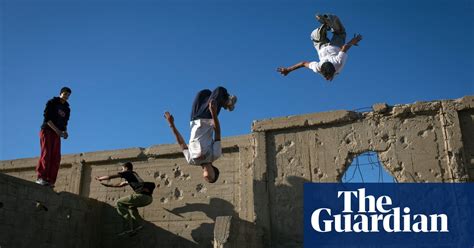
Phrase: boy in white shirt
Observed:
(332, 53)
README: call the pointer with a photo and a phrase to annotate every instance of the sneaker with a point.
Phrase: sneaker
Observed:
(325, 22)
(42, 182)
(231, 102)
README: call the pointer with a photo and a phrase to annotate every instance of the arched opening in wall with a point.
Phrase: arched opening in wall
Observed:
(367, 168)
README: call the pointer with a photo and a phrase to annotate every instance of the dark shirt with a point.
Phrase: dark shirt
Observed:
(137, 183)
(56, 112)
(200, 108)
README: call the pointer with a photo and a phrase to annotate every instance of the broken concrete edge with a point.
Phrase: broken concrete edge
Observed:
(342, 116)
(295, 121)
(380, 107)
(222, 229)
(401, 110)
(70, 159)
(42, 198)
(121, 155)
(463, 103)
(420, 107)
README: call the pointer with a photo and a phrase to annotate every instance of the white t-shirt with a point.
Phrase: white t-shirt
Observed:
(201, 142)
(331, 54)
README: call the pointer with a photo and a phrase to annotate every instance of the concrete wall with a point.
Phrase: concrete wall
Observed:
(184, 204)
(420, 142)
(36, 216)
(262, 174)
(32, 216)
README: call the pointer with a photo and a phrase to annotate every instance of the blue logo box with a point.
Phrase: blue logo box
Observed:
(389, 215)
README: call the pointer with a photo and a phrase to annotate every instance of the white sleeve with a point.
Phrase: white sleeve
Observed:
(187, 155)
(216, 150)
(315, 66)
(341, 58)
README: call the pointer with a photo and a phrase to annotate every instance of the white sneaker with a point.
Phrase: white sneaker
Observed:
(42, 182)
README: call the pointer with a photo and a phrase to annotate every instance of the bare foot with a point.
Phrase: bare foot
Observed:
(321, 18)
(283, 71)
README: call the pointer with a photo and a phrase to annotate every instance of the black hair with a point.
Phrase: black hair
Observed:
(65, 89)
(216, 174)
(328, 69)
(128, 165)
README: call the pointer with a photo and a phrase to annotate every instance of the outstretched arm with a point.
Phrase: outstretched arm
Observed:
(353, 42)
(285, 71)
(175, 131)
(215, 119)
(117, 185)
(107, 177)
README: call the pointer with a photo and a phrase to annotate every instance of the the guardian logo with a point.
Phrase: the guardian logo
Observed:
(376, 216)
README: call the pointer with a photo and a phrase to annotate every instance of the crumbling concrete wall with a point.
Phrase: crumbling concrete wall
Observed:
(466, 120)
(33, 216)
(184, 207)
(262, 174)
(420, 142)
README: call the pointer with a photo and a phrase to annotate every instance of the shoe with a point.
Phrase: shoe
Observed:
(230, 105)
(42, 182)
(324, 20)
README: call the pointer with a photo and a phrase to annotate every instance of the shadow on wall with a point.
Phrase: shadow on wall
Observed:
(466, 121)
(285, 198)
(284, 210)
(150, 236)
(244, 236)
(36, 216)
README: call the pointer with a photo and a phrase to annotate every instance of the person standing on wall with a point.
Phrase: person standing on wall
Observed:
(56, 117)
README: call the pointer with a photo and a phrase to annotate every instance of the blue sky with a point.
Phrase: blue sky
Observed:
(367, 168)
(129, 61)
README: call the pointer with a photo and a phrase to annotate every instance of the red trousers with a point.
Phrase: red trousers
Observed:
(48, 164)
